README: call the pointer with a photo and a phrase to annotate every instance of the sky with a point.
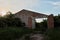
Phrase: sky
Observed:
(41, 6)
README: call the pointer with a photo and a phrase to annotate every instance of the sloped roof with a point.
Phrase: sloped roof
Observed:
(24, 10)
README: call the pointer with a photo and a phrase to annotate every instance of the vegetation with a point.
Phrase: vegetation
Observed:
(52, 34)
(41, 26)
(57, 21)
(11, 21)
(12, 28)
(13, 33)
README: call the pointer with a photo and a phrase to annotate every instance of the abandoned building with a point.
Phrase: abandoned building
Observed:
(28, 17)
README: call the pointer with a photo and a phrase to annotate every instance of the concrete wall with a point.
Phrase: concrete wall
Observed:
(28, 17)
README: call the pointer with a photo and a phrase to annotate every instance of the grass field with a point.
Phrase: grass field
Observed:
(12, 33)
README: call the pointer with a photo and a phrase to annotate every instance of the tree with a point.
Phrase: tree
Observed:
(57, 21)
(10, 21)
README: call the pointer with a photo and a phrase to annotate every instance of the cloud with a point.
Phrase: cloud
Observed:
(56, 4)
(15, 5)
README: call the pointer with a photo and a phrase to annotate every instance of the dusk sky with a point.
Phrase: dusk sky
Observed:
(41, 6)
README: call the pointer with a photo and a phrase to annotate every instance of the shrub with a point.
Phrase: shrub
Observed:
(53, 34)
(41, 26)
(13, 33)
(10, 20)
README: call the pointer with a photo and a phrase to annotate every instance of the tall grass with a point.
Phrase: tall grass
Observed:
(12, 33)
(53, 34)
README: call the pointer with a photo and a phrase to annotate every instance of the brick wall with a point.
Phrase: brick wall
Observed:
(30, 22)
(50, 21)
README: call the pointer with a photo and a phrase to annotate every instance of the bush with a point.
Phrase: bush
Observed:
(53, 34)
(41, 26)
(13, 33)
(57, 21)
(10, 20)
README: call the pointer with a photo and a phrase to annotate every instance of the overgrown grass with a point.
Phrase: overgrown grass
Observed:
(13, 33)
(53, 34)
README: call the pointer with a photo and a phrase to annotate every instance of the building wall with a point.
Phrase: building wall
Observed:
(28, 17)
(23, 18)
(50, 21)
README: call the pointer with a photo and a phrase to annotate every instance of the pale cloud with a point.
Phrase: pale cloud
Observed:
(56, 4)
(16, 5)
